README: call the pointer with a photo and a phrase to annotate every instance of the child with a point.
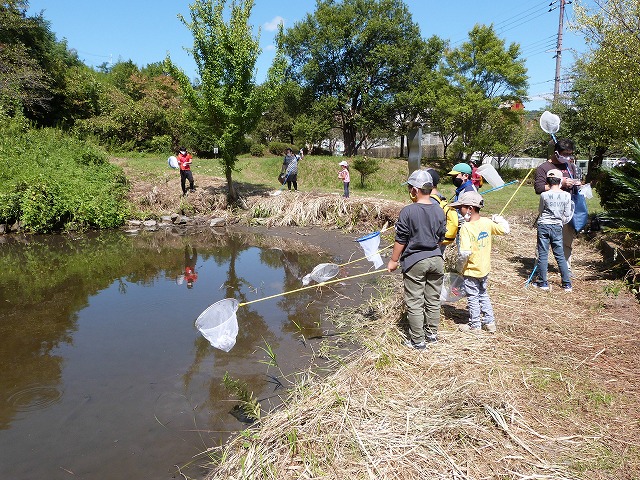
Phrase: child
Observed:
(474, 259)
(556, 210)
(419, 231)
(346, 178)
(184, 161)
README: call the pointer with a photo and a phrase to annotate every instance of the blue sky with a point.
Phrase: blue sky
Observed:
(145, 31)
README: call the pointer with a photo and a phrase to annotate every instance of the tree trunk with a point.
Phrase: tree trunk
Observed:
(595, 165)
(349, 136)
(232, 195)
(401, 146)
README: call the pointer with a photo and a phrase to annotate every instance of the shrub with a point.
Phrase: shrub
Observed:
(278, 148)
(365, 166)
(257, 150)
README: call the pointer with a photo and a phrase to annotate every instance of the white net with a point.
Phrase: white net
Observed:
(321, 273)
(549, 122)
(173, 162)
(370, 244)
(219, 324)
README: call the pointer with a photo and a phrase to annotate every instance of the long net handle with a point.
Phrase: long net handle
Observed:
(514, 193)
(314, 286)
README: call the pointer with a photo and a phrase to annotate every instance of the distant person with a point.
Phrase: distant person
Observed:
(419, 231)
(190, 275)
(184, 162)
(451, 214)
(290, 168)
(555, 211)
(344, 175)
(476, 178)
(561, 160)
(474, 260)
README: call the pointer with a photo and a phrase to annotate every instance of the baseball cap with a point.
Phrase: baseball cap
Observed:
(343, 164)
(434, 176)
(420, 179)
(469, 198)
(460, 168)
(554, 173)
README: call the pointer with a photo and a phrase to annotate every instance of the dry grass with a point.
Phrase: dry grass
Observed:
(552, 395)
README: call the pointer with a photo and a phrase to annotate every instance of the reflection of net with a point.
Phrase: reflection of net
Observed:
(321, 273)
(370, 244)
(452, 287)
(219, 324)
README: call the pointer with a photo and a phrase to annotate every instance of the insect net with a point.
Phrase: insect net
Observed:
(452, 288)
(321, 273)
(370, 244)
(219, 324)
(549, 122)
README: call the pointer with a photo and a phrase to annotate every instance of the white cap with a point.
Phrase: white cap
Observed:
(343, 164)
(420, 179)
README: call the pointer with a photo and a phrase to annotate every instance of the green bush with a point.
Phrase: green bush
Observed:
(365, 167)
(159, 144)
(278, 148)
(257, 150)
(58, 181)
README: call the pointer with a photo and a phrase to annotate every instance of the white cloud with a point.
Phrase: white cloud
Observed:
(270, 47)
(272, 25)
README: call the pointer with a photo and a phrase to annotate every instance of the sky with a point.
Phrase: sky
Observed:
(146, 31)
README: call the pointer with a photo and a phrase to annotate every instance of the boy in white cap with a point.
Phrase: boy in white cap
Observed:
(555, 211)
(343, 174)
(419, 231)
(474, 259)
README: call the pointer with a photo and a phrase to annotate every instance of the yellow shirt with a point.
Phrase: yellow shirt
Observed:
(475, 237)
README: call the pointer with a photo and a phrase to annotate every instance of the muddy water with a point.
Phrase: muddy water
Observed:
(104, 375)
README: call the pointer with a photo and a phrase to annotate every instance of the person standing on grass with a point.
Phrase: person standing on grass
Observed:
(461, 178)
(184, 162)
(343, 174)
(474, 260)
(555, 211)
(419, 231)
(561, 160)
(451, 214)
(290, 169)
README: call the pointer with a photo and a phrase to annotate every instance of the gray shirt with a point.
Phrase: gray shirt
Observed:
(421, 228)
(556, 207)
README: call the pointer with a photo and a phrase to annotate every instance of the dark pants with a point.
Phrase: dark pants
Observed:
(346, 189)
(184, 175)
(292, 179)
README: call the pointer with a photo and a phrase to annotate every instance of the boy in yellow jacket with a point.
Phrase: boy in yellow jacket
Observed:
(474, 259)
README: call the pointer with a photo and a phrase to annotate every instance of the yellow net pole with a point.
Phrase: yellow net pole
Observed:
(313, 286)
(514, 193)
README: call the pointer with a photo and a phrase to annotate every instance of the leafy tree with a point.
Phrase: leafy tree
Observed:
(351, 56)
(484, 75)
(227, 101)
(602, 110)
(365, 167)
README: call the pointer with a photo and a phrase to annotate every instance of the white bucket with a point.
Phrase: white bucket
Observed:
(490, 174)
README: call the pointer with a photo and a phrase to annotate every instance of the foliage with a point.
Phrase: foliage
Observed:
(49, 182)
(278, 148)
(603, 104)
(484, 77)
(351, 56)
(365, 167)
(620, 190)
(228, 101)
(257, 150)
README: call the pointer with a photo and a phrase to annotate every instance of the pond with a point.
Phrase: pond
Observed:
(104, 375)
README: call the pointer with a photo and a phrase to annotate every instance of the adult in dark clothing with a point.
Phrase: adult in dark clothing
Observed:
(561, 159)
(290, 168)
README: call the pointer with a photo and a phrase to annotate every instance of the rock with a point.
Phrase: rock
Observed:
(151, 228)
(150, 223)
(166, 218)
(174, 217)
(3, 228)
(183, 220)
(132, 231)
(218, 222)
(134, 223)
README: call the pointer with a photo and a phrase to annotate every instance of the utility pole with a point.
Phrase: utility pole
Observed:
(556, 84)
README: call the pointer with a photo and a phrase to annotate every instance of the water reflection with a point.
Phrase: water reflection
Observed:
(102, 363)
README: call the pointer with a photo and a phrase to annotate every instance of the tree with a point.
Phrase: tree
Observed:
(351, 56)
(602, 110)
(227, 101)
(485, 76)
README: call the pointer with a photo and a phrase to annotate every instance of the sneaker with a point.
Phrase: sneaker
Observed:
(567, 287)
(465, 327)
(490, 327)
(541, 285)
(415, 346)
(430, 337)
